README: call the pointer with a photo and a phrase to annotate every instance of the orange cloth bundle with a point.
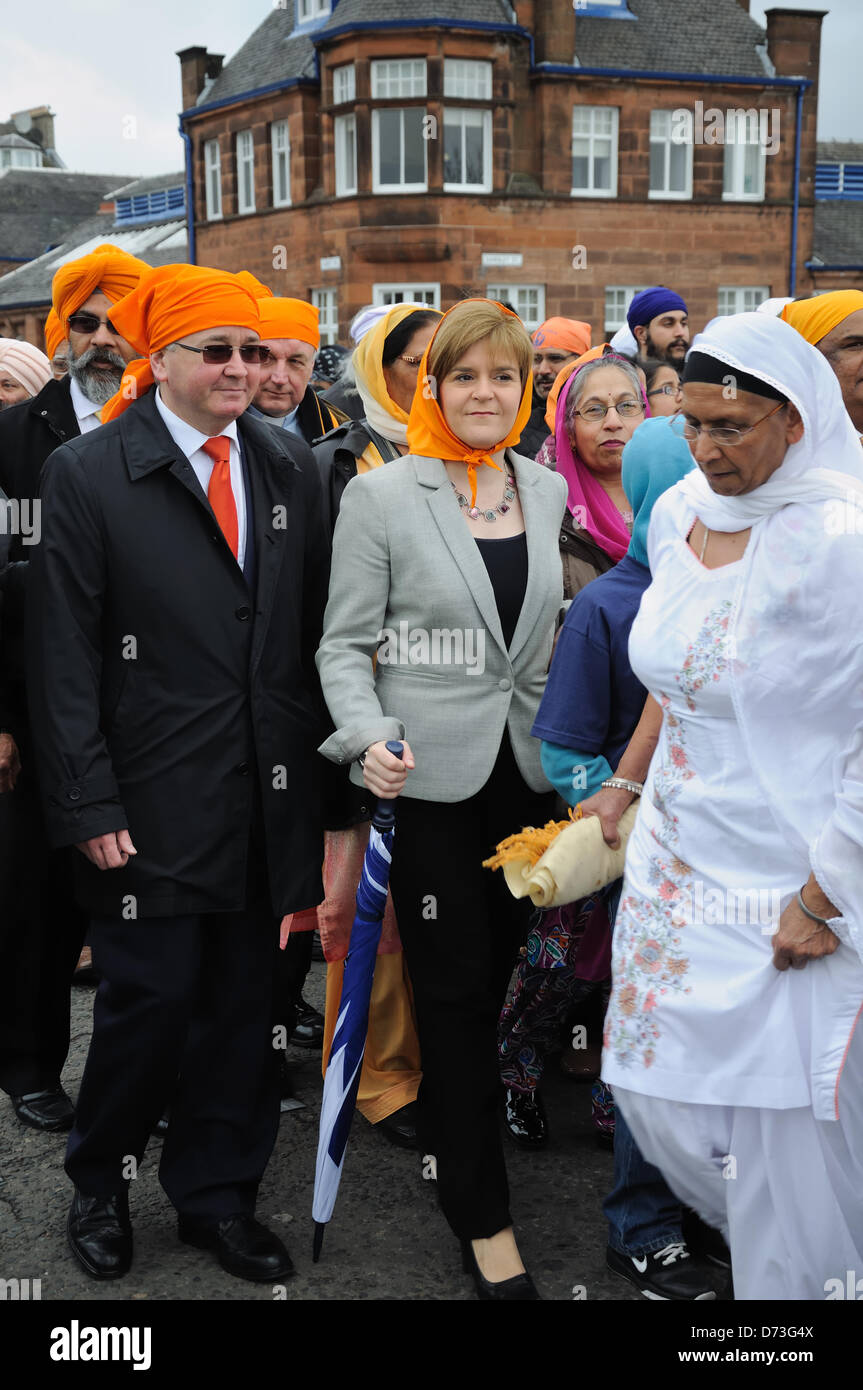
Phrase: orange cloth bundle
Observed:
(54, 333)
(429, 434)
(106, 268)
(563, 335)
(815, 318)
(168, 303)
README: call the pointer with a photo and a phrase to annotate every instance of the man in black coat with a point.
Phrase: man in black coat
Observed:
(41, 927)
(176, 604)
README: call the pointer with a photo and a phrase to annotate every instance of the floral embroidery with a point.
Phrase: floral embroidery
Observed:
(705, 658)
(650, 961)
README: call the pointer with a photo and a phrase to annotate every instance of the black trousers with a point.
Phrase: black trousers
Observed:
(41, 934)
(461, 930)
(182, 1017)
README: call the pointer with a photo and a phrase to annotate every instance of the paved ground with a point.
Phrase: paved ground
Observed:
(387, 1239)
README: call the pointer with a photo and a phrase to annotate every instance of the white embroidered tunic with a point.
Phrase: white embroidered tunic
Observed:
(698, 1012)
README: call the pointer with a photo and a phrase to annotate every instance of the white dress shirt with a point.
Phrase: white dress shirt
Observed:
(191, 442)
(86, 413)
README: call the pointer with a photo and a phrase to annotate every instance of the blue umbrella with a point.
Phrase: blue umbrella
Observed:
(342, 1080)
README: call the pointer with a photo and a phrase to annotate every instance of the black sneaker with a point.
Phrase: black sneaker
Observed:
(670, 1273)
(524, 1117)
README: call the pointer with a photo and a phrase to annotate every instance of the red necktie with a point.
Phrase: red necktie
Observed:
(220, 494)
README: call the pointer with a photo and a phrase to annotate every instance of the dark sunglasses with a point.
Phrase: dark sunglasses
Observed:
(220, 354)
(88, 323)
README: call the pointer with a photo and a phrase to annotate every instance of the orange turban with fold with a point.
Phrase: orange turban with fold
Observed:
(815, 318)
(54, 334)
(290, 318)
(430, 435)
(562, 335)
(165, 305)
(107, 268)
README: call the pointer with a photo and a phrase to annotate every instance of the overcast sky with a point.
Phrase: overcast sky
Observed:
(109, 72)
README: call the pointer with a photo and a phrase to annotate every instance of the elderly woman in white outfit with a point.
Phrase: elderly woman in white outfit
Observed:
(742, 1079)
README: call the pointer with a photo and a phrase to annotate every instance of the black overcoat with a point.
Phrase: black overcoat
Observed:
(160, 685)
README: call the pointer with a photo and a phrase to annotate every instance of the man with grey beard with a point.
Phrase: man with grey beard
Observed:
(41, 928)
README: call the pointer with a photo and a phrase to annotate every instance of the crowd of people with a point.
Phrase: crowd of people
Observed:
(227, 558)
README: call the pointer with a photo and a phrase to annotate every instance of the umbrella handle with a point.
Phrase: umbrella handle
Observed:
(384, 817)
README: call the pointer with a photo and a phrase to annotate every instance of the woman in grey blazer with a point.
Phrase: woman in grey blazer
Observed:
(439, 631)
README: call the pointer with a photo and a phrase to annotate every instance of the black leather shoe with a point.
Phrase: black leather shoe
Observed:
(100, 1234)
(401, 1126)
(243, 1246)
(524, 1116)
(309, 1027)
(50, 1111)
(520, 1287)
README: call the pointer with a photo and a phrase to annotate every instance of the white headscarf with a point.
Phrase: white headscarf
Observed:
(826, 463)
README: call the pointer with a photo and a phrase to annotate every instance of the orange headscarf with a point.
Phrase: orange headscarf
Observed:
(167, 303)
(815, 318)
(563, 335)
(290, 318)
(54, 334)
(106, 268)
(430, 435)
(563, 377)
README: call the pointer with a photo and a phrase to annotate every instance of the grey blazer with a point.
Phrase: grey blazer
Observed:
(409, 584)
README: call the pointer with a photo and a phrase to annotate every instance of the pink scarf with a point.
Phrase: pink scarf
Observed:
(588, 501)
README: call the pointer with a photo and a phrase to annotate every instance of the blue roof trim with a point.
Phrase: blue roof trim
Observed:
(282, 86)
(645, 75)
(816, 265)
(431, 22)
(599, 11)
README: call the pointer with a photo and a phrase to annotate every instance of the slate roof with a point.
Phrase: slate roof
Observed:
(161, 243)
(672, 35)
(38, 207)
(17, 142)
(151, 184)
(838, 233)
(839, 151)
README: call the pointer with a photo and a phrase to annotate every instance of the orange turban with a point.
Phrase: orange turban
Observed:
(563, 335)
(107, 268)
(563, 377)
(54, 333)
(290, 318)
(430, 435)
(815, 318)
(255, 286)
(166, 304)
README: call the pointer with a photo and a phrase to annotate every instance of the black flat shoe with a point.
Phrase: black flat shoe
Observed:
(309, 1027)
(242, 1245)
(520, 1287)
(401, 1126)
(100, 1234)
(51, 1111)
(524, 1117)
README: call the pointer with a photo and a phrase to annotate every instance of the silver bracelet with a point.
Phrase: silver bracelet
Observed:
(813, 916)
(624, 785)
(362, 758)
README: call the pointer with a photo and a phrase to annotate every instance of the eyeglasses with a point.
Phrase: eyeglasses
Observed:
(88, 323)
(220, 354)
(720, 434)
(627, 410)
(667, 390)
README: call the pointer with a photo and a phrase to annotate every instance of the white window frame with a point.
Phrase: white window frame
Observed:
(664, 139)
(591, 136)
(398, 78)
(733, 168)
(213, 180)
(515, 294)
(345, 142)
(624, 294)
(245, 147)
(408, 292)
(468, 79)
(313, 9)
(344, 84)
(459, 112)
(377, 186)
(744, 298)
(280, 144)
(326, 302)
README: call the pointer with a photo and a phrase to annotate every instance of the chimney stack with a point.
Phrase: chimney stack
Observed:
(196, 65)
(553, 30)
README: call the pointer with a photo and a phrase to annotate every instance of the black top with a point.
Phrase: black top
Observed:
(506, 562)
